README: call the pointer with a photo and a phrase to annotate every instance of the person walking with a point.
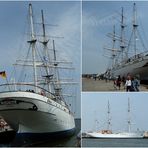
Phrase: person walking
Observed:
(136, 83)
(133, 84)
(119, 82)
(128, 84)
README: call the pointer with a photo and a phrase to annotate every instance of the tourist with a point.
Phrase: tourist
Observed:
(119, 82)
(136, 83)
(123, 81)
(132, 84)
(128, 83)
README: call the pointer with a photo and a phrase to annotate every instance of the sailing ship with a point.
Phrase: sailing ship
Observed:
(38, 108)
(108, 133)
(131, 57)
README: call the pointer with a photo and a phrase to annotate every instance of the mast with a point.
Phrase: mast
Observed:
(58, 87)
(109, 118)
(122, 44)
(135, 33)
(129, 116)
(45, 42)
(55, 63)
(135, 25)
(32, 43)
(54, 52)
(43, 25)
(113, 47)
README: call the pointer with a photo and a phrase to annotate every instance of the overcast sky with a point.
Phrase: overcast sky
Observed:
(94, 108)
(98, 20)
(13, 24)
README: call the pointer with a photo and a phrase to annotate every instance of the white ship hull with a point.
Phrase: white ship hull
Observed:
(136, 67)
(122, 135)
(31, 113)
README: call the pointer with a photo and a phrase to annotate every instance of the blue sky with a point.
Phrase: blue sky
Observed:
(13, 32)
(94, 107)
(98, 20)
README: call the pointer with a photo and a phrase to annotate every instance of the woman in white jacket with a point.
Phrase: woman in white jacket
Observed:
(128, 83)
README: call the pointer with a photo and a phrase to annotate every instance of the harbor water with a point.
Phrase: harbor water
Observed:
(90, 142)
(57, 142)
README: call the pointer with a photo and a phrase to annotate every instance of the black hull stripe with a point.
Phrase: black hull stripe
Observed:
(47, 134)
(28, 110)
(35, 138)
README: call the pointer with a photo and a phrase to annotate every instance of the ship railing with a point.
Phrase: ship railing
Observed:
(25, 87)
(15, 87)
(135, 57)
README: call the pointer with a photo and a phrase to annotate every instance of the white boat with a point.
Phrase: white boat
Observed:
(38, 108)
(122, 135)
(109, 134)
(131, 56)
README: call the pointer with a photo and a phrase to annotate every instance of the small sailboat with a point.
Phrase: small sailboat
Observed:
(109, 134)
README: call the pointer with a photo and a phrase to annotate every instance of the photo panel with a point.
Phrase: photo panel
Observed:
(114, 119)
(114, 46)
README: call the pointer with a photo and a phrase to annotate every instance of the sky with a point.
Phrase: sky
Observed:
(13, 31)
(94, 111)
(98, 18)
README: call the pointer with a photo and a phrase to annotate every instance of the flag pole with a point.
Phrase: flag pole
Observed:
(7, 83)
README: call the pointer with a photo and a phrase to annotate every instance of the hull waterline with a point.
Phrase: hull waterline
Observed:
(116, 135)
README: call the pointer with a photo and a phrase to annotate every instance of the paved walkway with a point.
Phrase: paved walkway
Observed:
(89, 84)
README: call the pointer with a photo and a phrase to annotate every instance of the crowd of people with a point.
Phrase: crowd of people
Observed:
(129, 83)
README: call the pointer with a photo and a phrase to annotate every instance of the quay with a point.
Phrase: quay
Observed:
(90, 84)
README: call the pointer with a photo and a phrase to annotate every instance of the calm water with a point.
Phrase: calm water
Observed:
(89, 142)
(65, 142)
(60, 142)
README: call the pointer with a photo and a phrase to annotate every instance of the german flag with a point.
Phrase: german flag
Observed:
(3, 74)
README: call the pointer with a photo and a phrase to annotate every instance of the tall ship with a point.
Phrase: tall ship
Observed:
(129, 55)
(35, 105)
(109, 134)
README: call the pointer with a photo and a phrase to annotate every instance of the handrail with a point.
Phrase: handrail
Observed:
(27, 85)
(37, 87)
